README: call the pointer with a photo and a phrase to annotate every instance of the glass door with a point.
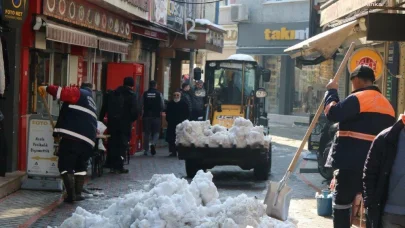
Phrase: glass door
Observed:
(59, 67)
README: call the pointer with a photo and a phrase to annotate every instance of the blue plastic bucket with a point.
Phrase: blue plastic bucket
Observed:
(324, 205)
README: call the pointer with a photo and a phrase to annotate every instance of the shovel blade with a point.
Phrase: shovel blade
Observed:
(278, 203)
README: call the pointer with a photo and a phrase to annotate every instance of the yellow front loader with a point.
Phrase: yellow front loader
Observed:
(235, 88)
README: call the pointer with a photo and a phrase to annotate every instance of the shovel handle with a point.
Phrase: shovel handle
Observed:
(48, 111)
(319, 111)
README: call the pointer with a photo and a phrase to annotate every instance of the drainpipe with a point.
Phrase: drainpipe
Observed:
(217, 13)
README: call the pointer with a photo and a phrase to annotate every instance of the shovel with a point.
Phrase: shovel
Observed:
(56, 140)
(279, 194)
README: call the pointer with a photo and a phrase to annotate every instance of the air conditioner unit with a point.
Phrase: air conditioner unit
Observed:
(239, 13)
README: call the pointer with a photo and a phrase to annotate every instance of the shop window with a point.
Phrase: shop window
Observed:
(309, 89)
(60, 64)
(40, 75)
(273, 63)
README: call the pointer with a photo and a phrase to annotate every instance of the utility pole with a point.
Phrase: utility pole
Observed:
(192, 52)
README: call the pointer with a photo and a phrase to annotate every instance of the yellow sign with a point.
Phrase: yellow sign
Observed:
(368, 57)
(285, 34)
(50, 159)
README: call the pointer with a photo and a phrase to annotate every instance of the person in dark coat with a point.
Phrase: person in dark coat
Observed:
(77, 128)
(177, 111)
(361, 117)
(384, 178)
(187, 96)
(121, 110)
(199, 101)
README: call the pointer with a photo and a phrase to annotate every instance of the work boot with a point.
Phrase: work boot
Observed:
(341, 218)
(152, 150)
(69, 182)
(79, 182)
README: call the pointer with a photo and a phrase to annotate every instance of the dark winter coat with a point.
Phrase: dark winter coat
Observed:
(361, 116)
(377, 171)
(125, 115)
(187, 96)
(199, 99)
(175, 114)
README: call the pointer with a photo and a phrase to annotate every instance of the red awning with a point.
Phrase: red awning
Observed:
(113, 46)
(150, 32)
(67, 35)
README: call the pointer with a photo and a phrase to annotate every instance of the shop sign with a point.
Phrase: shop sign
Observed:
(14, 11)
(41, 159)
(175, 16)
(342, 8)
(277, 36)
(231, 36)
(159, 11)
(393, 67)
(285, 34)
(141, 4)
(215, 38)
(150, 33)
(89, 16)
(368, 57)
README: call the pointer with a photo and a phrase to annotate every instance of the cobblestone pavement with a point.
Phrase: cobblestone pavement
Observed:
(41, 209)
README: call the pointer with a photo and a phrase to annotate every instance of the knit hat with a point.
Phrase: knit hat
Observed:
(129, 81)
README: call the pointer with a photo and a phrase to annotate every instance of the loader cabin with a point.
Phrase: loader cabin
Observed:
(236, 88)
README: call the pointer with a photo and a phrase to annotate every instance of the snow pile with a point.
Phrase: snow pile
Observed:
(241, 57)
(241, 134)
(170, 202)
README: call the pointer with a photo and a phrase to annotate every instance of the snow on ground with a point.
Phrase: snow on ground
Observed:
(241, 57)
(170, 202)
(241, 134)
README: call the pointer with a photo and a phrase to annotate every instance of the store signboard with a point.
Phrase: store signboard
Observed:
(231, 36)
(368, 57)
(175, 16)
(89, 16)
(159, 11)
(14, 11)
(41, 160)
(142, 4)
(393, 70)
(260, 37)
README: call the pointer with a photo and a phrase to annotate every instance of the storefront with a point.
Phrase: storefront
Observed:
(289, 87)
(326, 50)
(12, 17)
(68, 45)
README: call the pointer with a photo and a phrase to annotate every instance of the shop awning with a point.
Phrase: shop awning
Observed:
(113, 46)
(150, 32)
(67, 35)
(325, 43)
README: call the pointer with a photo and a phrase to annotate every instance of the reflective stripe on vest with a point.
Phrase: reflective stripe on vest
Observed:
(83, 109)
(76, 135)
(356, 135)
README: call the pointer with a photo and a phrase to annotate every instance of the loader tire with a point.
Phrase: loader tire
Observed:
(192, 168)
(262, 170)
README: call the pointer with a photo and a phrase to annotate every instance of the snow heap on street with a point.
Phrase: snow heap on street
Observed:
(241, 134)
(170, 202)
(241, 57)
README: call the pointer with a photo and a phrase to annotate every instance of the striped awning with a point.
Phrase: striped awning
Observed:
(67, 35)
(113, 46)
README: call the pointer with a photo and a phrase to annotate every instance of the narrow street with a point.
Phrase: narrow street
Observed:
(42, 209)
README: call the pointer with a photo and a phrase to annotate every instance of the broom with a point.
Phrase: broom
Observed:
(278, 195)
